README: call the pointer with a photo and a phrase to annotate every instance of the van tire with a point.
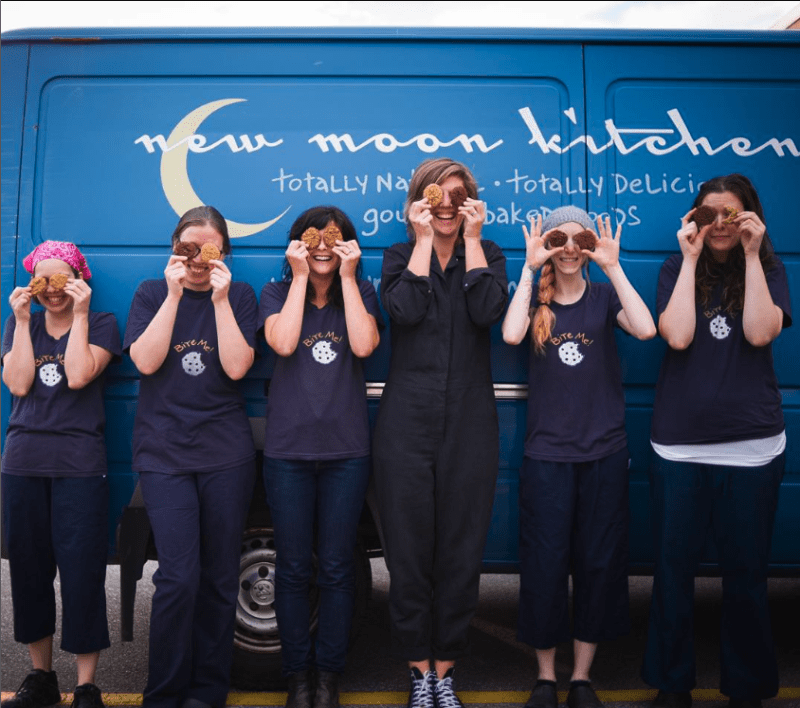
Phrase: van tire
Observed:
(256, 644)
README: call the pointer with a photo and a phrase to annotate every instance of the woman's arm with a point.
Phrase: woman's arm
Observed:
(762, 319)
(83, 362)
(282, 330)
(362, 329)
(19, 367)
(151, 348)
(474, 212)
(634, 317)
(420, 217)
(235, 354)
(678, 321)
(518, 320)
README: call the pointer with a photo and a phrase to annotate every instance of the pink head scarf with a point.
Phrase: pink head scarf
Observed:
(63, 251)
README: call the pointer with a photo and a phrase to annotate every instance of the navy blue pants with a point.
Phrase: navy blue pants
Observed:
(737, 505)
(197, 522)
(573, 513)
(300, 493)
(58, 522)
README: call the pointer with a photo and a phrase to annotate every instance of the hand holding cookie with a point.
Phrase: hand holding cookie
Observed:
(420, 217)
(297, 257)
(690, 239)
(751, 231)
(537, 252)
(350, 253)
(20, 301)
(175, 275)
(606, 248)
(474, 213)
(81, 295)
(220, 280)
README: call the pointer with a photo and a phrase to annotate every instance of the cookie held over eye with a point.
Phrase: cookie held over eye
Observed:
(184, 248)
(458, 195)
(311, 237)
(58, 281)
(433, 193)
(730, 214)
(209, 252)
(703, 216)
(556, 239)
(38, 285)
(331, 235)
(585, 240)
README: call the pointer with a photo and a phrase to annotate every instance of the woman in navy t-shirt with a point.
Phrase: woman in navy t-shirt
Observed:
(192, 336)
(719, 438)
(321, 321)
(573, 486)
(54, 480)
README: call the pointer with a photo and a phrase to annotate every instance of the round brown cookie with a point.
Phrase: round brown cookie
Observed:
(209, 252)
(585, 240)
(58, 281)
(185, 248)
(433, 193)
(703, 216)
(556, 239)
(311, 237)
(331, 235)
(730, 214)
(38, 285)
(458, 195)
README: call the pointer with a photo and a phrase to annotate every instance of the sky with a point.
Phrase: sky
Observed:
(18, 14)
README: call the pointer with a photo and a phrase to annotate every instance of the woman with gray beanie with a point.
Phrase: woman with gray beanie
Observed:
(573, 486)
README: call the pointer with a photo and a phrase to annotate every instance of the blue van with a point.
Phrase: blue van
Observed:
(109, 135)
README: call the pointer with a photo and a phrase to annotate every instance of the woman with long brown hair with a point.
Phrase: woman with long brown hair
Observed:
(719, 438)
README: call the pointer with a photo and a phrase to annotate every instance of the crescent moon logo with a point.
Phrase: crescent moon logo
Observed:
(175, 176)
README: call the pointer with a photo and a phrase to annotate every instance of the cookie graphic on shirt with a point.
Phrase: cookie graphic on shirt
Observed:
(193, 364)
(570, 354)
(49, 374)
(719, 327)
(322, 352)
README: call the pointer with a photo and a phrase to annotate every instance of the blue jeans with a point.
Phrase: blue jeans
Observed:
(300, 492)
(736, 505)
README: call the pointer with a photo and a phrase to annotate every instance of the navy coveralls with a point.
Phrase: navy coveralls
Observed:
(436, 445)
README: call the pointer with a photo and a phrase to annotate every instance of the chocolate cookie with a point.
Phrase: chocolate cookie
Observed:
(186, 248)
(458, 195)
(703, 216)
(585, 240)
(556, 239)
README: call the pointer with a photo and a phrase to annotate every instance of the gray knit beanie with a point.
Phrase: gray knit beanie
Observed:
(565, 214)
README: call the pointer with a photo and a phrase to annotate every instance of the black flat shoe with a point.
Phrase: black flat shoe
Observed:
(666, 699)
(582, 695)
(543, 695)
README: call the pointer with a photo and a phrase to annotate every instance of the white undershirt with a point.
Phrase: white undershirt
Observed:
(743, 453)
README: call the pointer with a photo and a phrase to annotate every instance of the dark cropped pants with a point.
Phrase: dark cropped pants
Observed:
(573, 515)
(59, 523)
(737, 505)
(197, 522)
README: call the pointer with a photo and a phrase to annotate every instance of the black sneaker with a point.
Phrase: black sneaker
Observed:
(667, 699)
(87, 695)
(422, 689)
(443, 694)
(582, 695)
(543, 695)
(38, 690)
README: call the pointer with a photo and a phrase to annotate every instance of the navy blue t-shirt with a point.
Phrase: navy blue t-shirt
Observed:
(55, 431)
(720, 388)
(191, 415)
(317, 407)
(576, 408)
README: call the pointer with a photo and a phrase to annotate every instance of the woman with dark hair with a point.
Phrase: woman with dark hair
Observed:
(54, 479)
(719, 438)
(321, 321)
(191, 335)
(436, 443)
(573, 484)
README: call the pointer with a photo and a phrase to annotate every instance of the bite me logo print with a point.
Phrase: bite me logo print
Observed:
(49, 374)
(570, 354)
(719, 327)
(193, 364)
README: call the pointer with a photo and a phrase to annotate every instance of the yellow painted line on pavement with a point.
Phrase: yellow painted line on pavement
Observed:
(278, 698)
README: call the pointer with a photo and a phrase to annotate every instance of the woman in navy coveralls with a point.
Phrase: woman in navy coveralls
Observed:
(436, 442)
(719, 438)
(192, 336)
(573, 486)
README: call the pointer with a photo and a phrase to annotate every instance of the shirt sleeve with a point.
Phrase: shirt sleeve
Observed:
(370, 300)
(143, 309)
(667, 277)
(273, 298)
(104, 332)
(487, 288)
(246, 312)
(405, 296)
(779, 290)
(8, 335)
